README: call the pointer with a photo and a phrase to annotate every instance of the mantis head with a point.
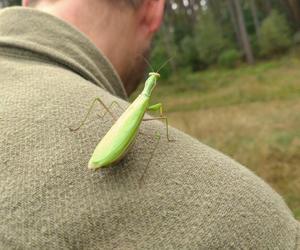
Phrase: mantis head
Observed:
(150, 83)
(154, 74)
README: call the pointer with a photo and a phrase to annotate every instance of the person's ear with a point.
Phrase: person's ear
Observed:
(151, 14)
(25, 3)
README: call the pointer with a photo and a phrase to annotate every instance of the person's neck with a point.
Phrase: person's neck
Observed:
(106, 33)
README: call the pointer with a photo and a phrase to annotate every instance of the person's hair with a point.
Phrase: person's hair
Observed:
(133, 3)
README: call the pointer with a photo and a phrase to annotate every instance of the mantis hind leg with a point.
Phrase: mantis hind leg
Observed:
(158, 136)
(166, 122)
(109, 107)
(151, 157)
(96, 100)
(159, 107)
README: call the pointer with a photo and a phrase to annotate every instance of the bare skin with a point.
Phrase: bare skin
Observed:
(122, 33)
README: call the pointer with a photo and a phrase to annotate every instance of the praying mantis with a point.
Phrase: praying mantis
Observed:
(117, 141)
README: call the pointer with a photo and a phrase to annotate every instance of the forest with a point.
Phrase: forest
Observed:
(198, 34)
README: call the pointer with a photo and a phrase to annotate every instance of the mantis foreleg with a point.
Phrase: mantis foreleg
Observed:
(90, 110)
(156, 107)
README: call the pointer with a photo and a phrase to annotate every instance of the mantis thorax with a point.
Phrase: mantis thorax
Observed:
(150, 83)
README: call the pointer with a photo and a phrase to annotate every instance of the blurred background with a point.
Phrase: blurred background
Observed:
(234, 82)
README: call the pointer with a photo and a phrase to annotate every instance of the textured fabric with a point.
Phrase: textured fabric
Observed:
(192, 196)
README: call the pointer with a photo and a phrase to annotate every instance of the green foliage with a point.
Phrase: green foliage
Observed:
(202, 37)
(229, 58)
(209, 39)
(189, 56)
(275, 34)
(296, 38)
(181, 27)
(6, 3)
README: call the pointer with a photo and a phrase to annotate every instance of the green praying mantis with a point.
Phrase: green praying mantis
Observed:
(117, 141)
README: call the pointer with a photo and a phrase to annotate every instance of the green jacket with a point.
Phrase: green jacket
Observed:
(192, 197)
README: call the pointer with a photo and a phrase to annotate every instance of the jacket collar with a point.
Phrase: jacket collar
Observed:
(44, 35)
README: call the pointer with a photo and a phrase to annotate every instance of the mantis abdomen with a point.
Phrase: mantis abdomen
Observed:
(115, 143)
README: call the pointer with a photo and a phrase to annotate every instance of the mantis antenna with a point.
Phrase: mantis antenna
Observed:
(163, 65)
(148, 63)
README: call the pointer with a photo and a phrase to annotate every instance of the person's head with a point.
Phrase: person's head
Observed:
(121, 29)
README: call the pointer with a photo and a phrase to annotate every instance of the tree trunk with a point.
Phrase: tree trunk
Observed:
(255, 17)
(268, 6)
(215, 7)
(243, 33)
(193, 15)
(287, 10)
(233, 19)
(295, 9)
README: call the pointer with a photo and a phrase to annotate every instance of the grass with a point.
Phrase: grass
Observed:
(264, 82)
(251, 113)
(263, 136)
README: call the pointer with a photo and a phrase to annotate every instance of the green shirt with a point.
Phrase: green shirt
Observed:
(192, 197)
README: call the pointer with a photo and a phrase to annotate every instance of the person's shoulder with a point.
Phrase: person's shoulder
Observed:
(298, 237)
